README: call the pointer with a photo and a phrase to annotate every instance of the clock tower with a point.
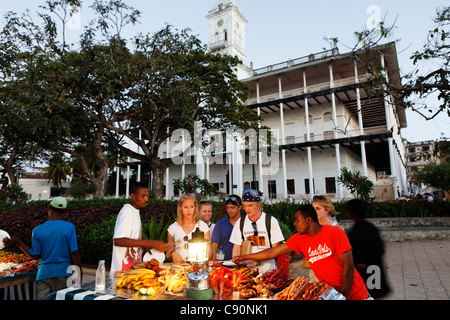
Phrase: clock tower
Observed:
(227, 33)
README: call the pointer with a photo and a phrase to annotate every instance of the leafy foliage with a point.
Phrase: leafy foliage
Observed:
(418, 86)
(156, 230)
(94, 220)
(193, 184)
(96, 241)
(435, 175)
(359, 185)
(84, 101)
(13, 193)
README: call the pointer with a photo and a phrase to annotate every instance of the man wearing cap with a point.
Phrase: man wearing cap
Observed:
(261, 229)
(55, 243)
(223, 228)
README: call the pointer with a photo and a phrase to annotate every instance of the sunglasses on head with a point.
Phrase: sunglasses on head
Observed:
(232, 199)
(205, 202)
(318, 198)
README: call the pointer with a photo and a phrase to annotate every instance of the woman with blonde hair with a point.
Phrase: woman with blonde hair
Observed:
(325, 210)
(180, 231)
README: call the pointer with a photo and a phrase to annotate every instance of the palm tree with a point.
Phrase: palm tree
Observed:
(58, 170)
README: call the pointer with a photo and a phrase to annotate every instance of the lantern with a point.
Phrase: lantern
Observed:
(199, 282)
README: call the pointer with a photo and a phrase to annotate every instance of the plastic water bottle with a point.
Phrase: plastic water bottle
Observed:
(100, 277)
(220, 254)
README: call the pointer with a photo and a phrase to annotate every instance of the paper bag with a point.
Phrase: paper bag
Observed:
(246, 247)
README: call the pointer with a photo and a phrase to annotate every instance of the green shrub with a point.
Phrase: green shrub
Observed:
(13, 193)
(95, 219)
(154, 230)
(95, 242)
(359, 185)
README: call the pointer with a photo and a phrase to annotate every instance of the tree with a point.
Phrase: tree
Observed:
(417, 86)
(435, 175)
(65, 98)
(86, 102)
(16, 147)
(58, 170)
(179, 83)
(441, 149)
(13, 193)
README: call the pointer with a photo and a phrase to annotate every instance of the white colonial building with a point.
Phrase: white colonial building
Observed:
(321, 113)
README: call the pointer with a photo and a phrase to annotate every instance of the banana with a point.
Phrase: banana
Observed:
(170, 283)
(129, 280)
(147, 276)
(141, 272)
(119, 282)
(122, 281)
(178, 286)
(175, 284)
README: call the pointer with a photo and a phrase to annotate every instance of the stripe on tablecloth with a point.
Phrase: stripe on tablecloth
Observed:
(61, 294)
(81, 294)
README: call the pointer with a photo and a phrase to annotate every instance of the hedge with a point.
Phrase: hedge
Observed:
(94, 219)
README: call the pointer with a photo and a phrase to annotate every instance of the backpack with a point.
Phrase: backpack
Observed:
(268, 226)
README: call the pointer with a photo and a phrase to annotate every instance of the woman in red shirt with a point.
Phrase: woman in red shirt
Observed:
(326, 248)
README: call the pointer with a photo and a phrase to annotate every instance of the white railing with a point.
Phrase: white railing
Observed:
(311, 88)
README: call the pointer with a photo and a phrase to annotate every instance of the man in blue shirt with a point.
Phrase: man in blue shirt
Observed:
(222, 231)
(55, 243)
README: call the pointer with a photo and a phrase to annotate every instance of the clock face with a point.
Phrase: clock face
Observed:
(220, 23)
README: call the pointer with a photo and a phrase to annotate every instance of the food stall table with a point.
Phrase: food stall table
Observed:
(18, 287)
(87, 292)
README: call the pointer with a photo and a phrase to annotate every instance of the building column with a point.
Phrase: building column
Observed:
(117, 181)
(389, 127)
(235, 142)
(167, 170)
(183, 164)
(230, 171)
(138, 177)
(283, 141)
(260, 170)
(127, 189)
(308, 138)
(336, 146)
(361, 125)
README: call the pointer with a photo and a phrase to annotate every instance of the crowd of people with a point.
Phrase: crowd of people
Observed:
(246, 235)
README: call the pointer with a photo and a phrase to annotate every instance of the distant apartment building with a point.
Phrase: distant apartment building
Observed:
(418, 155)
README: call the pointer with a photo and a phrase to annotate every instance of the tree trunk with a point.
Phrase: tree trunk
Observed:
(8, 167)
(100, 182)
(159, 169)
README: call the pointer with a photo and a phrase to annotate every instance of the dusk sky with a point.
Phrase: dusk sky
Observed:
(287, 29)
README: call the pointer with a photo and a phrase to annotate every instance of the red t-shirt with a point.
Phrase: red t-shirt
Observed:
(322, 252)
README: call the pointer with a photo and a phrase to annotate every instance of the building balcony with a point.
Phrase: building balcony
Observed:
(219, 45)
(310, 89)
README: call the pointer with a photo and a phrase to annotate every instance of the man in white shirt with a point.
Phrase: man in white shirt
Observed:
(127, 239)
(263, 230)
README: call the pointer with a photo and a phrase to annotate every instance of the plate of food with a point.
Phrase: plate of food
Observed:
(154, 254)
(3, 235)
